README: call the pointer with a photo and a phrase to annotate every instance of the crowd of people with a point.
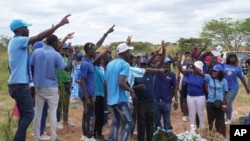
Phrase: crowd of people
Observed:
(137, 90)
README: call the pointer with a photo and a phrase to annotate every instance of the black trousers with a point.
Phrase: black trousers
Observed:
(145, 120)
(99, 114)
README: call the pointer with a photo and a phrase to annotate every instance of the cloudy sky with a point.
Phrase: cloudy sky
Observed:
(145, 20)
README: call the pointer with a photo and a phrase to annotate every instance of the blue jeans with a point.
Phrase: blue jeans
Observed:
(231, 96)
(162, 109)
(88, 118)
(121, 113)
(22, 95)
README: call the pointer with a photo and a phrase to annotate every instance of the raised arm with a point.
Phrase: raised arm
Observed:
(153, 57)
(163, 55)
(68, 36)
(49, 31)
(204, 46)
(108, 49)
(99, 42)
(183, 71)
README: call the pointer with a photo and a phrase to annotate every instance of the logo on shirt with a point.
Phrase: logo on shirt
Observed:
(229, 73)
(167, 77)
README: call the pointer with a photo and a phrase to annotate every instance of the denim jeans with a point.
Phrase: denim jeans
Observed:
(162, 109)
(88, 118)
(121, 113)
(145, 120)
(22, 95)
(231, 96)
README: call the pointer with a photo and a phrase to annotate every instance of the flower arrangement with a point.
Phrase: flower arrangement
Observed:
(164, 135)
(190, 136)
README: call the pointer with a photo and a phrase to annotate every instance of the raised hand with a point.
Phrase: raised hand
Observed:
(163, 44)
(70, 35)
(111, 29)
(64, 20)
(129, 40)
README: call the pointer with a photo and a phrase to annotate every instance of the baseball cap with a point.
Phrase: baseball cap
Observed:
(79, 54)
(18, 23)
(143, 61)
(37, 45)
(217, 67)
(199, 65)
(167, 60)
(123, 47)
(65, 45)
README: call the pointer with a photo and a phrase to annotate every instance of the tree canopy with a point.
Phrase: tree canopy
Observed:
(228, 33)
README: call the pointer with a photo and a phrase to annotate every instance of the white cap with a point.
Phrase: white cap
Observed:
(123, 47)
(199, 65)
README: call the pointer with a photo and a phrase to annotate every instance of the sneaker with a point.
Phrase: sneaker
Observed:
(83, 138)
(228, 121)
(70, 123)
(90, 139)
(184, 118)
(44, 137)
(59, 125)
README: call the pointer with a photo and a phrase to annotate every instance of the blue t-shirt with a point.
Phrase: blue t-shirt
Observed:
(99, 81)
(78, 76)
(164, 84)
(195, 84)
(232, 73)
(87, 72)
(219, 88)
(45, 61)
(147, 94)
(114, 70)
(18, 53)
(75, 86)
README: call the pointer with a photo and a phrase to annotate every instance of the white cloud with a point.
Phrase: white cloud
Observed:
(151, 20)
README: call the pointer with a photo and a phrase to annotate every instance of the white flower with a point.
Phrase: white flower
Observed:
(190, 136)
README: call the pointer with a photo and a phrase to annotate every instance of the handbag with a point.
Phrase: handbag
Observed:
(217, 102)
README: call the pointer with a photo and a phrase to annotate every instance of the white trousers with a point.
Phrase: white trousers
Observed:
(196, 104)
(52, 97)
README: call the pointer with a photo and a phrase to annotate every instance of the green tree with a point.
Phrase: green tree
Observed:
(4, 40)
(228, 33)
(188, 44)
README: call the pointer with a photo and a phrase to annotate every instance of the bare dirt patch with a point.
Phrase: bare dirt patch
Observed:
(74, 133)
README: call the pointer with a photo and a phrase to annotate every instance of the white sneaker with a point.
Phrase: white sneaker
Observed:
(184, 118)
(90, 139)
(70, 123)
(83, 138)
(45, 137)
(228, 121)
(59, 125)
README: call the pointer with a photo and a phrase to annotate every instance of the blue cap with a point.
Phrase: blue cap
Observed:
(217, 67)
(143, 61)
(65, 45)
(18, 23)
(167, 60)
(37, 45)
(79, 54)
